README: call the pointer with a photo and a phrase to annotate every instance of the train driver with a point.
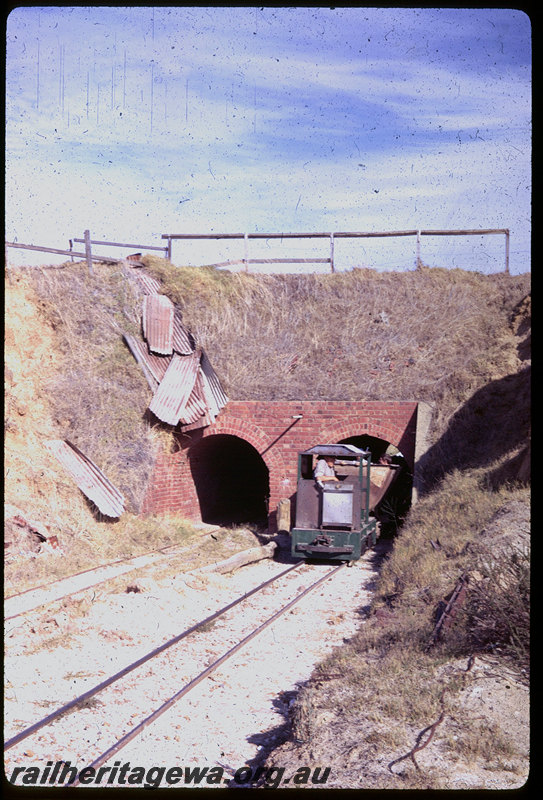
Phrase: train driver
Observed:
(324, 471)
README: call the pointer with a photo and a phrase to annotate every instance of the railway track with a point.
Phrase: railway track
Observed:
(117, 689)
(86, 696)
(20, 603)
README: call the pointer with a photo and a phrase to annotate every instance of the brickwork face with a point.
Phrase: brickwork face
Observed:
(273, 430)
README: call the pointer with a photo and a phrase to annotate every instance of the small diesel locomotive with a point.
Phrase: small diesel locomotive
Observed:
(335, 518)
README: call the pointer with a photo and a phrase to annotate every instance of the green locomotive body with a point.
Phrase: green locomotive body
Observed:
(333, 519)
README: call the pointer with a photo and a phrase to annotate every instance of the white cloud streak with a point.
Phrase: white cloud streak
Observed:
(158, 119)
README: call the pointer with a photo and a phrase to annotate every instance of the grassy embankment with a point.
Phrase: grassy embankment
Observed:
(450, 338)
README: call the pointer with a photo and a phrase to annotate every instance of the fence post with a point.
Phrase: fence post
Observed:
(507, 251)
(88, 253)
(246, 249)
(419, 262)
(332, 266)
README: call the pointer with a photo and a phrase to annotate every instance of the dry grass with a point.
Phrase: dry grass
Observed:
(450, 518)
(441, 541)
(497, 614)
(392, 684)
(90, 544)
(435, 335)
(479, 740)
(99, 395)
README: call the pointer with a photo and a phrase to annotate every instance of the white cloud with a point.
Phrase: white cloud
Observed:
(245, 119)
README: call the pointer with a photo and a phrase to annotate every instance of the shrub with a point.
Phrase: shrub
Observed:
(497, 613)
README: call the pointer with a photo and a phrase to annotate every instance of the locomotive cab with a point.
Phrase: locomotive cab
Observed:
(333, 518)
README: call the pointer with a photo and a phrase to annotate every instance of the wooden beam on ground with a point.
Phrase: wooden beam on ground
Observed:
(240, 559)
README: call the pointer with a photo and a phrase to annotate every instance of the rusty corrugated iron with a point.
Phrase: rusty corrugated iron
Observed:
(201, 422)
(148, 284)
(157, 318)
(210, 391)
(215, 394)
(88, 477)
(183, 342)
(172, 396)
(151, 363)
(186, 388)
(196, 405)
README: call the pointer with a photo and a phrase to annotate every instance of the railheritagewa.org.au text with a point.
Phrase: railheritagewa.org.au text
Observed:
(64, 773)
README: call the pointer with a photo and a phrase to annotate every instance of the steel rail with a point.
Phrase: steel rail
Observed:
(24, 734)
(117, 562)
(85, 572)
(103, 757)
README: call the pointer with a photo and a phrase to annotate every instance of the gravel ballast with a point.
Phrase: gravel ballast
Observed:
(231, 719)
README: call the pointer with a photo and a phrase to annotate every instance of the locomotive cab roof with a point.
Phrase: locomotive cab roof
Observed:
(336, 451)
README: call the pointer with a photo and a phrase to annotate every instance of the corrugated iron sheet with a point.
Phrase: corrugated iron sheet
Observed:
(215, 394)
(183, 342)
(148, 284)
(196, 406)
(206, 398)
(210, 391)
(173, 394)
(186, 388)
(158, 316)
(154, 364)
(201, 422)
(89, 478)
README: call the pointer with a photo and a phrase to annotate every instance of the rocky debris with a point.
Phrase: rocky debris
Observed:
(23, 535)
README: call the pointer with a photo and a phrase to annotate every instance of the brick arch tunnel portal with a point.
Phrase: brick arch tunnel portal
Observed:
(231, 479)
(397, 502)
(243, 465)
(366, 442)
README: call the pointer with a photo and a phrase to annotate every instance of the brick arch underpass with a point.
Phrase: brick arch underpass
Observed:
(274, 432)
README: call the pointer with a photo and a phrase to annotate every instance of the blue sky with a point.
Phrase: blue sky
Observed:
(134, 122)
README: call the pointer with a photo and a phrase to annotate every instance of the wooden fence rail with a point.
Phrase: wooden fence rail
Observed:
(170, 237)
(70, 252)
(120, 244)
(331, 237)
(88, 255)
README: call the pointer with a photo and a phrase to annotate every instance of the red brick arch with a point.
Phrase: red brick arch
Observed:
(379, 431)
(256, 437)
(279, 430)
